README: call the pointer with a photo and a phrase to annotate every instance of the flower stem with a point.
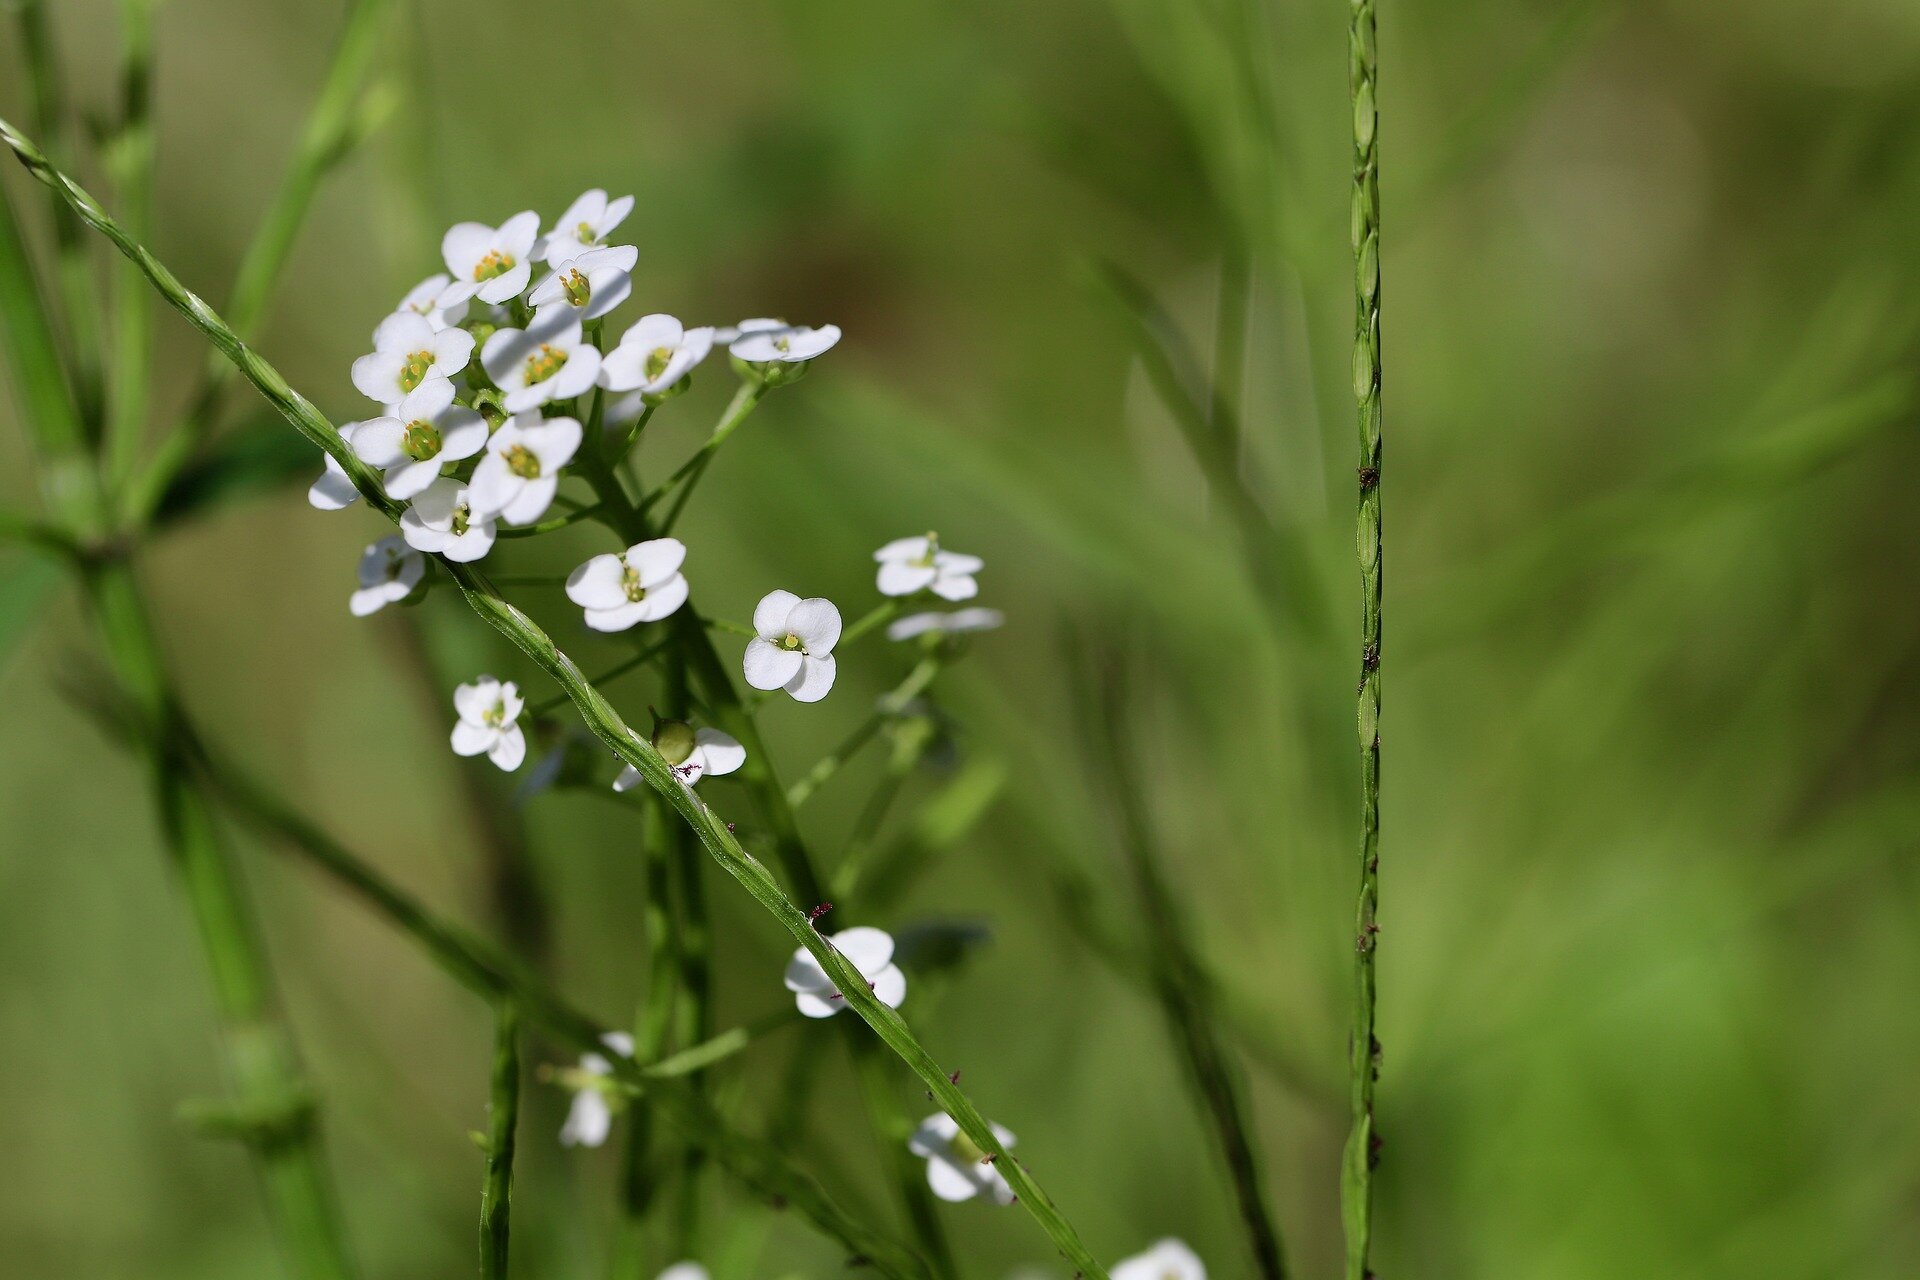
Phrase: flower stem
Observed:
(496, 1193)
(129, 158)
(878, 616)
(889, 706)
(744, 400)
(1356, 1182)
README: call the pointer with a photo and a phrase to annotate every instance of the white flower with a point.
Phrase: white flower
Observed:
(491, 263)
(550, 359)
(490, 722)
(654, 353)
(641, 584)
(443, 518)
(585, 225)
(684, 1271)
(590, 1118)
(1168, 1259)
(389, 571)
(710, 752)
(959, 622)
(425, 430)
(517, 479)
(792, 648)
(407, 351)
(438, 299)
(908, 565)
(957, 1169)
(592, 284)
(867, 949)
(334, 490)
(777, 342)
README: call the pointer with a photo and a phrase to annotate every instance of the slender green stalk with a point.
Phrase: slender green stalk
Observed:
(1356, 1182)
(891, 704)
(743, 403)
(79, 304)
(607, 677)
(129, 160)
(496, 1193)
(693, 954)
(607, 724)
(1179, 981)
(878, 616)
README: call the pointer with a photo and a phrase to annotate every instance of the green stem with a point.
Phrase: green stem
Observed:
(496, 1193)
(889, 706)
(1356, 1182)
(129, 159)
(606, 724)
(618, 669)
(693, 953)
(878, 616)
(744, 400)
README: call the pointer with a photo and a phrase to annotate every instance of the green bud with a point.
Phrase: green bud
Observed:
(673, 739)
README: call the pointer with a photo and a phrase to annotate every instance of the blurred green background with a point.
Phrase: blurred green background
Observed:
(1650, 969)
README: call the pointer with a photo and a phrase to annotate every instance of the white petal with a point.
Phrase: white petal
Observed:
(817, 623)
(510, 749)
(377, 377)
(531, 502)
(410, 478)
(463, 433)
(624, 369)
(379, 442)
(720, 753)
(890, 986)
(473, 544)
(629, 779)
(949, 1181)
(402, 334)
(975, 620)
(452, 348)
(822, 1006)
(576, 377)
(474, 700)
(899, 578)
(589, 1120)
(610, 289)
(517, 234)
(428, 400)
(651, 331)
(956, 587)
(934, 1135)
(767, 666)
(815, 680)
(620, 617)
(805, 974)
(333, 491)
(463, 246)
(507, 284)
(554, 442)
(597, 583)
(903, 549)
(504, 357)
(471, 739)
(770, 615)
(868, 949)
(656, 560)
(613, 215)
(493, 484)
(1168, 1259)
(663, 598)
(916, 624)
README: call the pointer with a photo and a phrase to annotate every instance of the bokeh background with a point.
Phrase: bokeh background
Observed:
(1651, 944)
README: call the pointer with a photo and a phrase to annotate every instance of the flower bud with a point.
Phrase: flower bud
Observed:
(674, 740)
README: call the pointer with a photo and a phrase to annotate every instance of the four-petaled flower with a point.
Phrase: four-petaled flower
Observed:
(443, 519)
(693, 753)
(517, 479)
(959, 622)
(792, 648)
(491, 263)
(590, 1117)
(684, 1271)
(425, 430)
(585, 225)
(867, 949)
(389, 571)
(490, 722)
(641, 584)
(550, 359)
(438, 299)
(592, 284)
(334, 490)
(654, 353)
(1168, 1259)
(777, 342)
(407, 352)
(908, 565)
(957, 1169)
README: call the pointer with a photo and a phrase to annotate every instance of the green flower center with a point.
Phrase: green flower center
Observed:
(461, 520)
(496, 715)
(522, 462)
(578, 288)
(782, 344)
(414, 371)
(789, 641)
(925, 560)
(394, 560)
(421, 441)
(657, 361)
(545, 362)
(586, 234)
(630, 583)
(494, 264)
(965, 1150)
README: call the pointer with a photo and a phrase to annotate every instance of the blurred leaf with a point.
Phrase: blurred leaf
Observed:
(245, 463)
(26, 589)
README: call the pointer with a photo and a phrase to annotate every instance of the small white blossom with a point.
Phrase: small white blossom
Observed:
(550, 359)
(517, 479)
(443, 519)
(867, 949)
(957, 1169)
(1168, 1259)
(908, 565)
(425, 430)
(777, 342)
(438, 299)
(585, 225)
(407, 351)
(590, 1117)
(684, 1271)
(792, 648)
(959, 622)
(491, 263)
(655, 352)
(592, 284)
(641, 584)
(712, 752)
(389, 571)
(334, 490)
(490, 722)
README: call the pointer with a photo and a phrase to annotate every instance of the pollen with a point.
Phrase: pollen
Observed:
(657, 361)
(630, 583)
(522, 462)
(422, 440)
(544, 363)
(578, 288)
(414, 371)
(494, 264)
